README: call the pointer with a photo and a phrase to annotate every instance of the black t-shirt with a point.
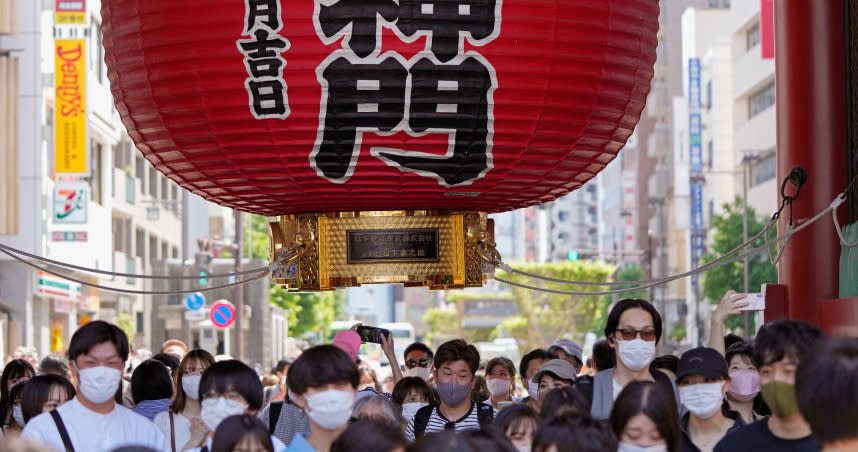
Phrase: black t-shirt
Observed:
(757, 437)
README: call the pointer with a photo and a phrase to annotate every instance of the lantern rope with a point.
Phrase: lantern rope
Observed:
(133, 291)
(7, 249)
(644, 284)
(656, 281)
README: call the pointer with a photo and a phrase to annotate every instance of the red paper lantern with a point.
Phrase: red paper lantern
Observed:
(279, 106)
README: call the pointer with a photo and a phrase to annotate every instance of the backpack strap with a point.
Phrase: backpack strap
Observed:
(421, 420)
(273, 415)
(485, 413)
(172, 433)
(64, 434)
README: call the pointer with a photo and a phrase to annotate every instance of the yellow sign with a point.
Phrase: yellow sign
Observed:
(72, 12)
(57, 329)
(70, 112)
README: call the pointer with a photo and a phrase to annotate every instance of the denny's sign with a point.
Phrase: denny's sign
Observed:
(70, 111)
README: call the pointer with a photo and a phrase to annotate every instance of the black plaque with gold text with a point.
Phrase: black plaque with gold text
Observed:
(392, 246)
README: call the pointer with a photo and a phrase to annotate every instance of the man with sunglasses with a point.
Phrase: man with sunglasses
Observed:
(632, 330)
(418, 361)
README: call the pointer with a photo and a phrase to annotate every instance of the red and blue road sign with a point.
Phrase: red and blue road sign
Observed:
(222, 314)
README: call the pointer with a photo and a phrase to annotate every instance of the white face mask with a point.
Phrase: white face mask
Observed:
(191, 386)
(214, 411)
(624, 447)
(330, 409)
(702, 400)
(498, 386)
(523, 448)
(422, 372)
(410, 409)
(18, 415)
(99, 384)
(533, 390)
(636, 354)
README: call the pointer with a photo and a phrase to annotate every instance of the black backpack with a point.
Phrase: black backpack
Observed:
(274, 415)
(485, 414)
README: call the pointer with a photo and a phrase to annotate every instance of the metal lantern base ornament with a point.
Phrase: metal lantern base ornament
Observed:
(436, 249)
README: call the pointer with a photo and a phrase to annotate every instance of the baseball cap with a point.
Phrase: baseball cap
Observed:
(560, 368)
(569, 346)
(349, 342)
(702, 361)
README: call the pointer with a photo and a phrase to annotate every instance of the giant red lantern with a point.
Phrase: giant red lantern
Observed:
(282, 107)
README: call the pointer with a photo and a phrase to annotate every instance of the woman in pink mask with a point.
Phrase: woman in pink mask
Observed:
(743, 393)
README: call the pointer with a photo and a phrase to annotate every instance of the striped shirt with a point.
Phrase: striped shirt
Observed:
(291, 422)
(438, 423)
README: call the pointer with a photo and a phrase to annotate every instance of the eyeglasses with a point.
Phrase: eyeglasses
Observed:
(450, 426)
(422, 363)
(629, 334)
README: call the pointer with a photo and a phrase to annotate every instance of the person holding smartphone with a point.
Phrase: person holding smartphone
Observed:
(731, 304)
(382, 337)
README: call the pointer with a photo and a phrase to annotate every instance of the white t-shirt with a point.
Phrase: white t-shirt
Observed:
(617, 389)
(91, 431)
(182, 427)
(278, 445)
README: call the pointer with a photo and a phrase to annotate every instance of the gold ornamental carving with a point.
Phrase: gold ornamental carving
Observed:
(436, 249)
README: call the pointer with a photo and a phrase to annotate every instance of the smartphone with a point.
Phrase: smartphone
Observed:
(371, 333)
(756, 301)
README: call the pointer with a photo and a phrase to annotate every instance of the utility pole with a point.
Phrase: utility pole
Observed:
(238, 290)
(746, 315)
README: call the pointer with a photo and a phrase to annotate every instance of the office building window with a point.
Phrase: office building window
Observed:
(709, 94)
(96, 158)
(766, 170)
(710, 151)
(153, 183)
(140, 170)
(752, 36)
(761, 100)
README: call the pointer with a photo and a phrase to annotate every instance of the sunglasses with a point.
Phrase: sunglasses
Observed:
(422, 363)
(629, 334)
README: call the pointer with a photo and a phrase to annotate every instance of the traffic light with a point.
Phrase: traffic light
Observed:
(203, 260)
(572, 255)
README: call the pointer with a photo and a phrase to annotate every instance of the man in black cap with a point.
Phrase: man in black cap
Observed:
(703, 379)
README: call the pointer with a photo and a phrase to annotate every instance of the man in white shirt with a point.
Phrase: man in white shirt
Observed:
(93, 421)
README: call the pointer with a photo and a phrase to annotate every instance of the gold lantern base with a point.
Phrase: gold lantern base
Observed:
(436, 249)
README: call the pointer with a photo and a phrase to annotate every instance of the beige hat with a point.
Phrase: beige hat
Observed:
(559, 368)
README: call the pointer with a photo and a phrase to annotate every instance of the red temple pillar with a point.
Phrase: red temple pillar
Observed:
(810, 78)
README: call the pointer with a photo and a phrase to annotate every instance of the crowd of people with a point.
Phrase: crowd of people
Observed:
(791, 389)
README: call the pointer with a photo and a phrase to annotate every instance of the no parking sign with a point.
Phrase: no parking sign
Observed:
(222, 314)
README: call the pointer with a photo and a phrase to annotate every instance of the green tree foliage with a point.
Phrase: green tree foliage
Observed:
(600, 319)
(726, 235)
(125, 323)
(308, 312)
(441, 324)
(548, 315)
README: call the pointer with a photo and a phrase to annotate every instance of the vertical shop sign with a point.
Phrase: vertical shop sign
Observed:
(70, 150)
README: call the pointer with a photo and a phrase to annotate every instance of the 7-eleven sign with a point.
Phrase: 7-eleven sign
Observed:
(52, 286)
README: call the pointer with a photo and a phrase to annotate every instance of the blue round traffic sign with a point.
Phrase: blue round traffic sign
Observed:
(222, 314)
(195, 301)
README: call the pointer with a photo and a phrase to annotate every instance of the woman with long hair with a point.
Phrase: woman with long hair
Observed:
(175, 424)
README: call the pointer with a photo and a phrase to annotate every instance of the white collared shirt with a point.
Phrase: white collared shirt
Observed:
(91, 431)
